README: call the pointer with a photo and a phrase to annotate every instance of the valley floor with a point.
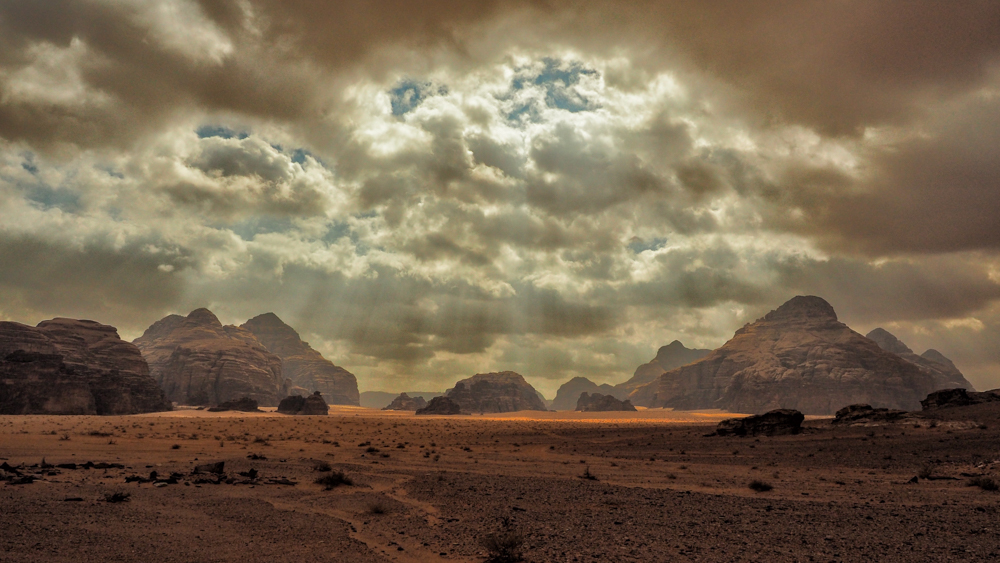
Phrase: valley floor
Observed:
(431, 489)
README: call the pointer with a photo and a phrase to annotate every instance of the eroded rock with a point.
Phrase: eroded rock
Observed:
(313, 405)
(569, 393)
(441, 405)
(778, 422)
(406, 403)
(504, 391)
(946, 398)
(602, 403)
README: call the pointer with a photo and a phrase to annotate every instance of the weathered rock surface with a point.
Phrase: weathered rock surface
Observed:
(243, 404)
(602, 403)
(441, 405)
(944, 372)
(798, 356)
(406, 403)
(197, 361)
(569, 392)
(68, 366)
(505, 391)
(379, 399)
(298, 405)
(866, 414)
(778, 422)
(673, 355)
(946, 398)
(306, 367)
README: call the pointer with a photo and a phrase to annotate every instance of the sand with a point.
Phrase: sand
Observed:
(431, 488)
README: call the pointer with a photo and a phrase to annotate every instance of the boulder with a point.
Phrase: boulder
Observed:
(505, 391)
(947, 398)
(406, 403)
(299, 362)
(866, 414)
(569, 393)
(941, 369)
(69, 366)
(441, 405)
(778, 422)
(673, 355)
(198, 361)
(243, 404)
(602, 403)
(313, 405)
(798, 356)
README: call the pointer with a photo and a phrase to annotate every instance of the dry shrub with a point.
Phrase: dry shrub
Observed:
(334, 479)
(760, 486)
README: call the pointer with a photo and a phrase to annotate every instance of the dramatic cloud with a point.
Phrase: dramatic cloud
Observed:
(427, 190)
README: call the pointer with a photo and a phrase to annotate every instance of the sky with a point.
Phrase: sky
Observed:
(428, 190)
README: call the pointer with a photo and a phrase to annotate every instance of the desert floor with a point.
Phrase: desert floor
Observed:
(432, 488)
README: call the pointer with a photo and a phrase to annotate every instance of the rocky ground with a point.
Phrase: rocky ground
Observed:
(432, 488)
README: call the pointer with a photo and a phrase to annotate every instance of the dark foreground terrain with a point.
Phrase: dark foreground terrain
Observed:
(432, 489)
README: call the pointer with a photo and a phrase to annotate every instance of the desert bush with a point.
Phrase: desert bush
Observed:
(377, 507)
(926, 471)
(760, 486)
(118, 496)
(505, 545)
(321, 466)
(984, 483)
(334, 479)
(588, 475)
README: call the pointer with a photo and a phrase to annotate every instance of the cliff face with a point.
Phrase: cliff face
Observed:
(673, 355)
(934, 363)
(569, 392)
(505, 391)
(68, 366)
(306, 367)
(798, 356)
(198, 361)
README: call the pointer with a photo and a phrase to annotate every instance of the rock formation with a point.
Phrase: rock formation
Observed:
(243, 404)
(406, 403)
(298, 405)
(306, 367)
(602, 403)
(778, 422)
(798, 356)
(441, 405)
(861, 415)
(379, 399)
(197, 361)
(569, 393)
(673, 355)
(946, 398)
(505, 391)
(944, 372)
(67, 366)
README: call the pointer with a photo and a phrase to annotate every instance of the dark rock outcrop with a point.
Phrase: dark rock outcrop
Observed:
(940, 368)
(243, 404)
(299, 362)
(798, 356)
(602, 403)
(505, 391)
(68, 366)
(569, 393)
(198, 361)
(778, 422)
(946, 398)
(299, 405)
(406, 403)
(441, 405)
(866, 414)
(379, 399)
(673, 355)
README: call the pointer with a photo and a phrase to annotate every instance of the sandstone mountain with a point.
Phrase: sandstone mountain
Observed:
(67, 366)
(602, 403)
(306, 367)
(569, 393)
(944, 372)
(505, 391)
(441, 405)
(406, 403)
(673, 355)
(798, 356)
(197, 361)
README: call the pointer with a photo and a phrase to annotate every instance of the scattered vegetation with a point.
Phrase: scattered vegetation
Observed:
(926, 471)
(321, 466)
(175, 447)
(505, 545)
(984, 483)
(334, 479)
(760, 486)
(377, 507)
(588, 475)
